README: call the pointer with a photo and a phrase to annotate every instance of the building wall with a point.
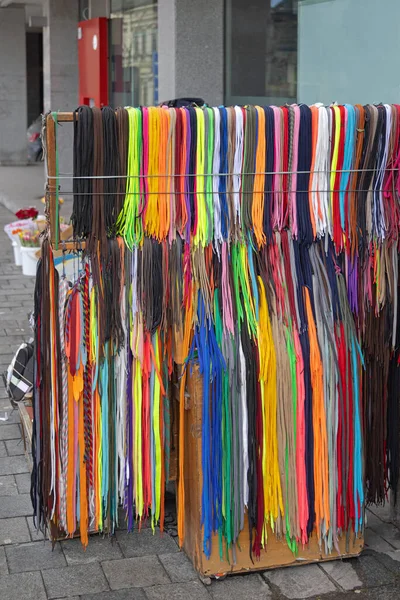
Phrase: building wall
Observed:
(199, 49)
(348, 51)
(166, 49)
(191, 49)
(13, 104)
(60, 71)
(60, 55)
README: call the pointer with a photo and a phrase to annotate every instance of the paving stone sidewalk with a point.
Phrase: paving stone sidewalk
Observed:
(142, 566)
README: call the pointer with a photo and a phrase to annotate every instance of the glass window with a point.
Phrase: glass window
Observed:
(346, 51)
(261, 51)
(133, 63)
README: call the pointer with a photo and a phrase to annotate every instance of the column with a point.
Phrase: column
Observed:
(191, 49)
(60, 72)
(60, 55)
(13, 103)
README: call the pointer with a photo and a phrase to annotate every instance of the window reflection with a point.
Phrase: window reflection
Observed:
(261, 51)
(133, 39)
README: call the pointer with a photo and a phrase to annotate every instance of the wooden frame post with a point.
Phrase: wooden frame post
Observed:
(51, 187)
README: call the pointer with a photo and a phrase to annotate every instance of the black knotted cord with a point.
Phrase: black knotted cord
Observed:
(110, 168)
(83, 168)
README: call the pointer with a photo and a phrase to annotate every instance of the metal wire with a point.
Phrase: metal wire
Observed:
(168, 193)
(165, 175)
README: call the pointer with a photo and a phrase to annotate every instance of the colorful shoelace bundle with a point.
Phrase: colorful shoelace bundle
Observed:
(260, 244)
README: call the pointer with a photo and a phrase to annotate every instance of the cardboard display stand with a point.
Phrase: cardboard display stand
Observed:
(277, 553)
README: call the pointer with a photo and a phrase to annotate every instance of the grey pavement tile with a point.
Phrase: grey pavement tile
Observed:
(5, 272)
(179, 591)
(371, 571)
(9, 310)
(303, 581)
(11, 465)
(145, 543)
(178, 567)
(23, 482)
(14, 283)
(99, 549)
(14, 339)
(6, 348)
(389, 533)
(14, 531)
(375, 542)
(344, 574)
(8, 487)
(394, 555)
(16, 506)
(22, 586)
(389, 560)
(139, 572)
(17, 311)
(17, 331)
(383, 511)
(381, 593)
(9, 320)
(23, 294)
(128, 594)
(9, 432)
(372, 520)
(15, 447)
(10, 304)
(34, 534)
(250, 586)
(3, 562)
(3, 451)
(17, 275)
(74, 580)
(5, 403)
(12, 413)
(34, 556)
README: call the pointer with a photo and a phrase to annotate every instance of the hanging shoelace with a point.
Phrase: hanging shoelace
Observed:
(262, 244)
(83, 168)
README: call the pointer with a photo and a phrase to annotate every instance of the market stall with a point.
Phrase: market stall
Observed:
(235, 302)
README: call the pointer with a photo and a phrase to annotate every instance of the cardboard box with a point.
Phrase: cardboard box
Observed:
(277, 553)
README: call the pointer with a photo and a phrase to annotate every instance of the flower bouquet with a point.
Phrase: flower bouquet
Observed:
(29, 238)
(13, 231)
(30, 242)
(28, 220)
(27, 213)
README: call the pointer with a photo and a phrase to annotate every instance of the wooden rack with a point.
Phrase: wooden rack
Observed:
(277, 553)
